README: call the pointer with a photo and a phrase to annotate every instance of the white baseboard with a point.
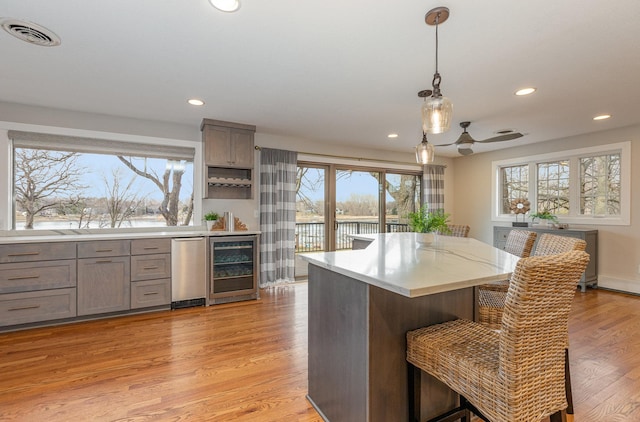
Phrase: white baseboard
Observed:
(631, 286)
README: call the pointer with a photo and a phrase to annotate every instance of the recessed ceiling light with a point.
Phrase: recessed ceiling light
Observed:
(195, 102)
(525, 91)
(602, 117)
(226, 5)
(392, 135)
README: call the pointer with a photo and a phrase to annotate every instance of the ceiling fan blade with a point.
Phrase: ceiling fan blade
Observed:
(507, 137)
(444, 145)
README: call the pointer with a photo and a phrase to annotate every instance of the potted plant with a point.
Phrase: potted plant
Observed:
(544, 215)
(423, 221)
(210, 218)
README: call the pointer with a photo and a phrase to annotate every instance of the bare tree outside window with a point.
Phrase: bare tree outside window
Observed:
(553, 187)
(515, 185)
(79, 190)
(122, 201)
(169, 183)
(600, 185)
(44, 180)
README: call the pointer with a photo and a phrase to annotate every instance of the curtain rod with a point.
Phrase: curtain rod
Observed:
(357, 158)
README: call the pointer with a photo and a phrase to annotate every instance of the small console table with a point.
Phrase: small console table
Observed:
(590, 276)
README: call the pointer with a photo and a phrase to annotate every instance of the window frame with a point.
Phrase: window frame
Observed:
(573, 156)
(7, 189)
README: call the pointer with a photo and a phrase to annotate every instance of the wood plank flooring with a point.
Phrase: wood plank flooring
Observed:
(248, 362)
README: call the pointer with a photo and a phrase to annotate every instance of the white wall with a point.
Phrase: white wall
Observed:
(618, 246)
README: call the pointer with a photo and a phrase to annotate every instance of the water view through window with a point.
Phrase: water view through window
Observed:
(75, 190)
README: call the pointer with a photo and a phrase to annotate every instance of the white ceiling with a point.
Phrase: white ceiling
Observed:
(335, 71)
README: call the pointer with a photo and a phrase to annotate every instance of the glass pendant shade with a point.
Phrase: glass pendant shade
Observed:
(436, 114)
(425, 152)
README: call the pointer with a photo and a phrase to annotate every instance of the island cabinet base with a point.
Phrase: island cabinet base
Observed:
(357, 348)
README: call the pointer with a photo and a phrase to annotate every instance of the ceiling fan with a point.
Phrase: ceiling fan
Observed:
(465, 141)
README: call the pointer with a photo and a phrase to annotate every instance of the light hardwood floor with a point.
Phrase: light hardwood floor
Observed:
(248, 361)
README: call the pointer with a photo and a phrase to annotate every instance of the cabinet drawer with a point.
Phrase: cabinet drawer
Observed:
(22, 308)
(148, 267)
(150, 293)
(24, 252)
(150, 246)
(501, 235)
(25, 277)
(103, 248)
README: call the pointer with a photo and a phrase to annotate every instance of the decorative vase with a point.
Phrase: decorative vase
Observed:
(425, 239)
(210, 224)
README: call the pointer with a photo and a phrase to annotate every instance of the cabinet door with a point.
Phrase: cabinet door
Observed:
(103, 285)
(217, 146)
(242, 148)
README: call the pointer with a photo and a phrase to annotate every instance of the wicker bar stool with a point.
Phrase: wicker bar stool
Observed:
(517, 372)
(457, 230)
(491, 296)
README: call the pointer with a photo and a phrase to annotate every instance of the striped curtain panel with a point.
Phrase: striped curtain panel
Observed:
(433, 182)
(277, 216)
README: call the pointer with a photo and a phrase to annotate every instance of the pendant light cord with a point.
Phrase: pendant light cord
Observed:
(436, 76)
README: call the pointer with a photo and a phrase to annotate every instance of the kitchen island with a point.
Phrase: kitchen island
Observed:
(362, 303)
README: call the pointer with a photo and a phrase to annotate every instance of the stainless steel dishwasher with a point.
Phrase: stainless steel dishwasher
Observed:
(188, 272)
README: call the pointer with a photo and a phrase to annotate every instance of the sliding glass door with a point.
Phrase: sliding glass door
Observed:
(311, 213)
(357, 209)
(335, 202)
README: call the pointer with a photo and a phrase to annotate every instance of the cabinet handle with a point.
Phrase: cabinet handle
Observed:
(23, 308)
(146, 248)
(104, 250)
(150, 268)
(23, 277)
(103, 261)
(150, 293)
(24, 253)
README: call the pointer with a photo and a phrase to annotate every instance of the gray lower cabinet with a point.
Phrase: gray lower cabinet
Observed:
(37, 282)
(103, 284)
(36, 306)
(590, 276)
(47, 282)
(150, 273)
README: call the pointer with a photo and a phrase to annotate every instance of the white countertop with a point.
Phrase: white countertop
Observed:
(70, 236)
(396, 262)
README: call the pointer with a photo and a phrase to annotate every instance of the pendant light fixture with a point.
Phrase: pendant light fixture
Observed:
(436, 110)
(425, 152)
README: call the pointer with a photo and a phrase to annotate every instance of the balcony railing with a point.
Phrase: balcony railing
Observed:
(310, 236)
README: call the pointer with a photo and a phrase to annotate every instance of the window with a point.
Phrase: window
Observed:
(588, 186)
(63, 182)
(515, 184)
(553, 187)
(600, 185)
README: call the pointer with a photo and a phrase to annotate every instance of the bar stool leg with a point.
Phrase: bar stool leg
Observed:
(567, 386)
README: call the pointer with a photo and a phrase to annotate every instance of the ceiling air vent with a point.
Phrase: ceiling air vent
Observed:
(30, 32)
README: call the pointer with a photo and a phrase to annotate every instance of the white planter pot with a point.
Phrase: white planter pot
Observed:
(210, 224)
(425, 239)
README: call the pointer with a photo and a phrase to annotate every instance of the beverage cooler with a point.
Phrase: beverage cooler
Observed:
(234, 269)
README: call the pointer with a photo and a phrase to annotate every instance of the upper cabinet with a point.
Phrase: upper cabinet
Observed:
(228, 144)
(228, 159)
